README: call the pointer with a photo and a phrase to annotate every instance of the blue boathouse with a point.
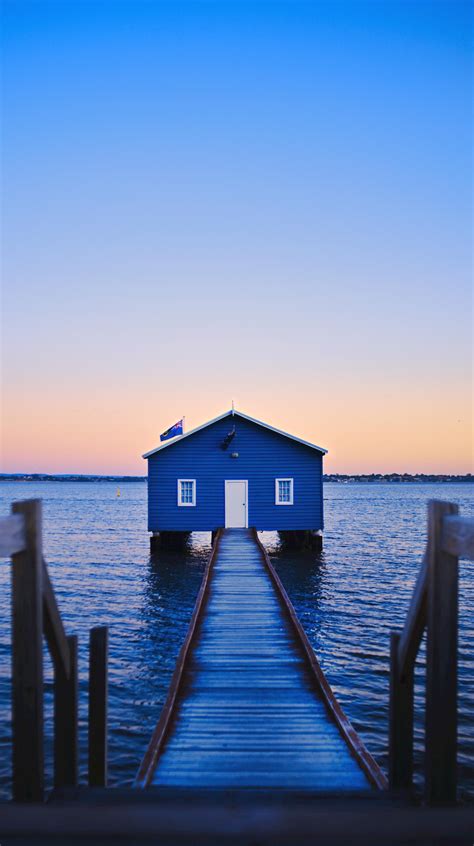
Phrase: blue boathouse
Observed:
(236, 472)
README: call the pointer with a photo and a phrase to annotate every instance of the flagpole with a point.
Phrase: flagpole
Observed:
(184, 419)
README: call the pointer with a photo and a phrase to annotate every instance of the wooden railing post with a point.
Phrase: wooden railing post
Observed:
(400, 721)
(441, 662)
(98, 657)
(27, 659)
(35, 613)
(66, 695)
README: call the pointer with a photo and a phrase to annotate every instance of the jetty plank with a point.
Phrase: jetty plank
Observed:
(154, 817)
(249, 707)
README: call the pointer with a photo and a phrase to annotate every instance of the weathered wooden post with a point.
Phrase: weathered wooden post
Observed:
(400, 720)
(441, 662)
(403, 651)
(66, 698)
(27, 659)
(98, 658)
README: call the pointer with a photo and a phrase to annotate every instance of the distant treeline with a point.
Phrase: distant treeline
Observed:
(398, 477)
(331, 477)
(66, 477)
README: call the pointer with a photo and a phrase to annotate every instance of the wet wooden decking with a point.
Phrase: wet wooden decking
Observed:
(249, 707)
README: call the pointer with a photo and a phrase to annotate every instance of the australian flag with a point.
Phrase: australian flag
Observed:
(177, 429)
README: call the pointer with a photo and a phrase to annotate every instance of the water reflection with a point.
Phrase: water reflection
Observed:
(171, 583)
(348, 598)
(303, 575)
(360, 589)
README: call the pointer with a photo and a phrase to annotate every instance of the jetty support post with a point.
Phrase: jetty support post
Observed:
(98, 705)
(27, 659)
(315, 540)
(155, 542)
(302, 539)
(400, 720)
(172, 541)
(441, 661)
(66, 704)
(434, 606)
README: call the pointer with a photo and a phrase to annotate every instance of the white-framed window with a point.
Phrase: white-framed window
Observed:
(283, 491)
(186, 491)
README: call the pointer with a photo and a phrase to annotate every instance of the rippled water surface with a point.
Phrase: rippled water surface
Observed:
(348, 598)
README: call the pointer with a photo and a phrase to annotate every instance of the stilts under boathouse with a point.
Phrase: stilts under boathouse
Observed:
(236, 472)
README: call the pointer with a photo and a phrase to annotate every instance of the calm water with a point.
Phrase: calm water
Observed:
(348, 598)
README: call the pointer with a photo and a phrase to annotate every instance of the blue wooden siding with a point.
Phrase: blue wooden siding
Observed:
(263, 457)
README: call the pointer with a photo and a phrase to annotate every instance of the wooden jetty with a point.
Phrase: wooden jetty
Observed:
(249, 706)
(252, 745)
(35, 614)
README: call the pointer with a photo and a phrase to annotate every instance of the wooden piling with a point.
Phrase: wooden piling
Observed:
(304, 539)
(169, 541)
(27, 659)
(441, 662)
(35, 613)
(66, 697)
(98, 658)
(400, 721)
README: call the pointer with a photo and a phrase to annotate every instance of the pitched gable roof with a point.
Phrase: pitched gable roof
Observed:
(233, 413)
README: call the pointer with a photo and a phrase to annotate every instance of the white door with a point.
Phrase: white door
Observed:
(235, 504)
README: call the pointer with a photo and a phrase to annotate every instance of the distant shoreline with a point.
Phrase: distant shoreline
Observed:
(371, 478)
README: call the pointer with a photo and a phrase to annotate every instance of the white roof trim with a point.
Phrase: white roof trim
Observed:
(235, 413)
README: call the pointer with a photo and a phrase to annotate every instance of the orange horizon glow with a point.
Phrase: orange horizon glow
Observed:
(110, 436)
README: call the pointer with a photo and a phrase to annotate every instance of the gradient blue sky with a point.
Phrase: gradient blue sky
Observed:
(260, 201)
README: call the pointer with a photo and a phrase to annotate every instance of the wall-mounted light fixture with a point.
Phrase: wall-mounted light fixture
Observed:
(234, 455)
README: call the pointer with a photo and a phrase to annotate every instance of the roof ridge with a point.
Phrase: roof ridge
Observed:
(233, 412)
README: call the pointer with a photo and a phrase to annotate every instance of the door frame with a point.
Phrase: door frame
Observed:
(246, 483)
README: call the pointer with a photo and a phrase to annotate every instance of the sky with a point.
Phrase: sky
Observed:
(265, 202)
